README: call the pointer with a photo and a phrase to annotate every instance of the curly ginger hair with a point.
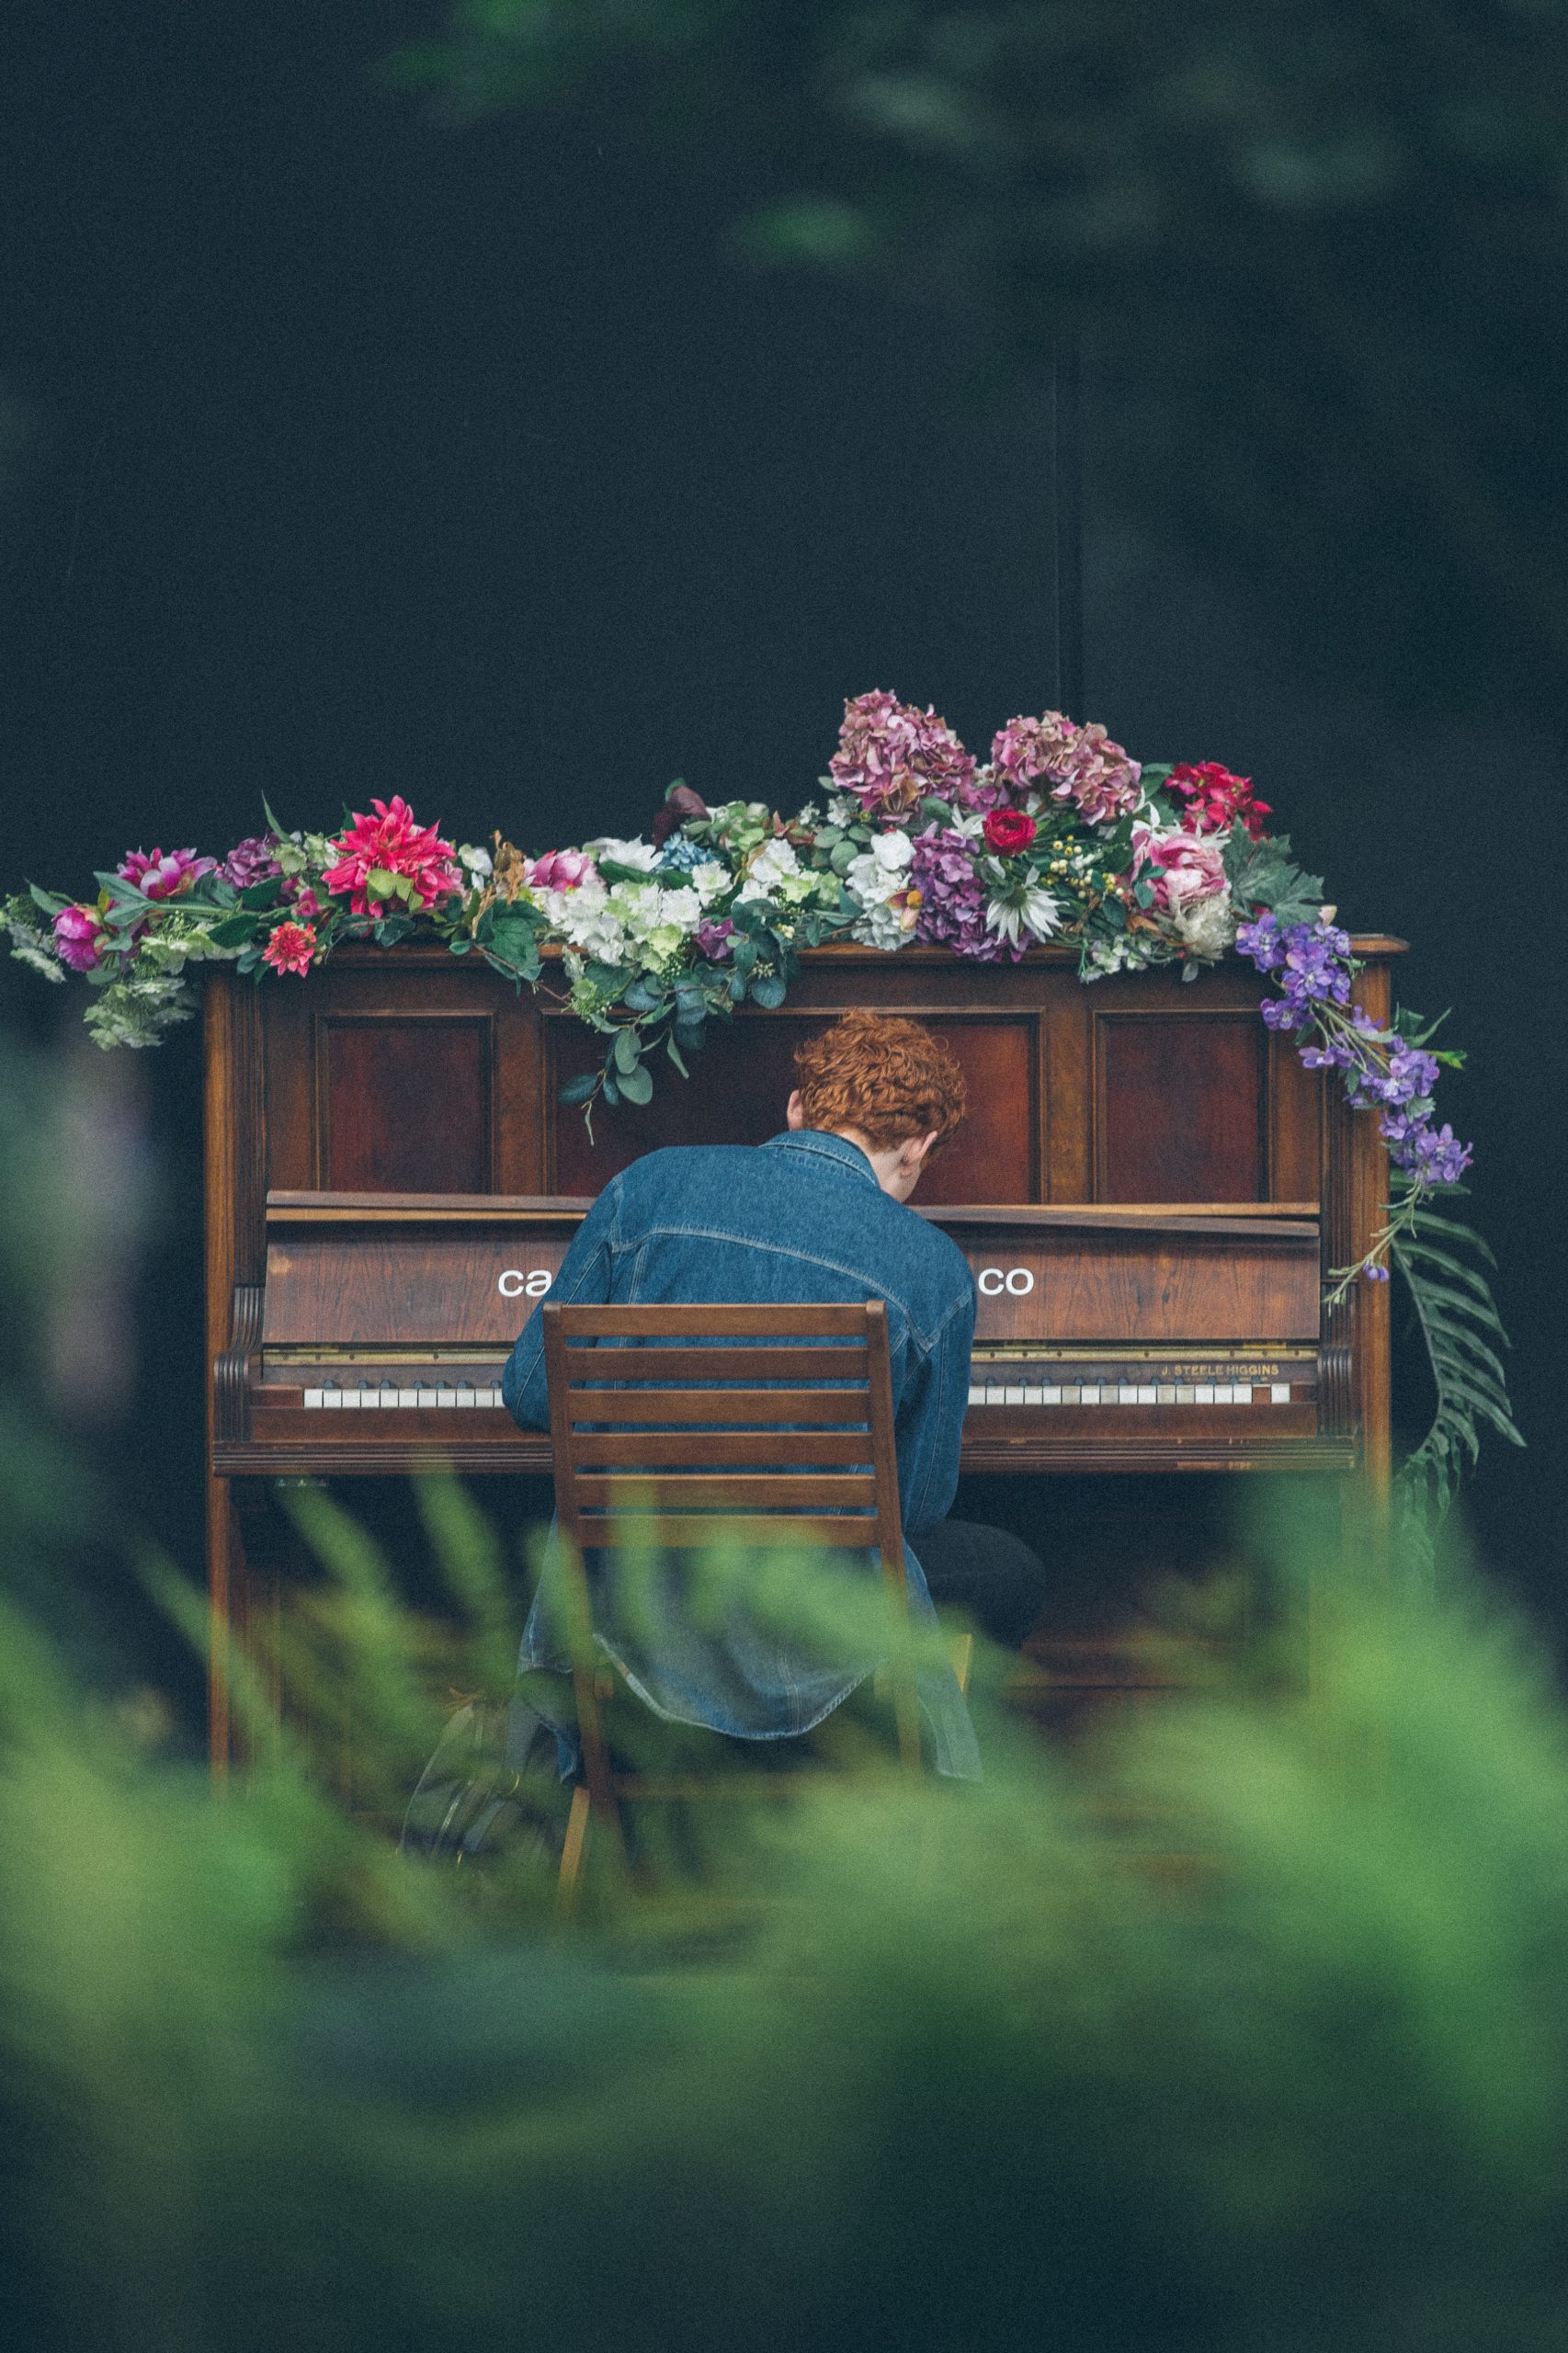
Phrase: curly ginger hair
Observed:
(887, 1077)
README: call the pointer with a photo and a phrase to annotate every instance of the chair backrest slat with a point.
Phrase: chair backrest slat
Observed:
(755, 1444)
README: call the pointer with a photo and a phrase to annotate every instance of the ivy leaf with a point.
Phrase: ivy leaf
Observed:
(1263, 874)
(690, 1036)
(609, 981)
(939, 812)
(578, 1090)
(745, 954)
(637, 1086)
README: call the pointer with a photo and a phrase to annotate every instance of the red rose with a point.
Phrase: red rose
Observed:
(1008, 830)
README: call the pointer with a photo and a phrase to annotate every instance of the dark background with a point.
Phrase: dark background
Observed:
(349, 452)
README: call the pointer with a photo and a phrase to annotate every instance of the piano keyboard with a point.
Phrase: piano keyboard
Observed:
(365, 1396)
(1126, 1392)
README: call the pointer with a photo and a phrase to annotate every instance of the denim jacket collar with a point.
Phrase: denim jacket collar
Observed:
(826, 1147)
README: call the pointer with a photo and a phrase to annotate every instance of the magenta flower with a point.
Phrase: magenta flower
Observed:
(390, 843)
(561, 869)
(1185, 867)
(165, 874)
(79, 937)
(302, 900)
(891, 756)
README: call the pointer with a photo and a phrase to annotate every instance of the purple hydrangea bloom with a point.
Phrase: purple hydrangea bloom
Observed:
(952, 897)
(250, 861)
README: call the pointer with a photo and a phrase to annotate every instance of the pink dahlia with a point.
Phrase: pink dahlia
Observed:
(290, 947)
(891, 756)
(79, 937)
(1215, 799)
(250, 861)
(559, 870)
(390, 843)
(164, 874)
(1187, 868)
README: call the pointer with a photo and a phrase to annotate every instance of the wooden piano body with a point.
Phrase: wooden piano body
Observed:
(1149, 1187)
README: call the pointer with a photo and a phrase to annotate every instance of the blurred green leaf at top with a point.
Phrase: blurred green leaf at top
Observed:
(1314, 248)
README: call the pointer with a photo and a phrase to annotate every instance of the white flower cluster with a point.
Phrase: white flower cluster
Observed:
(641, 923)
(878, 878)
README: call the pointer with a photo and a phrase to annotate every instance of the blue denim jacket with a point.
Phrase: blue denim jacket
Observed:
(802, 1217)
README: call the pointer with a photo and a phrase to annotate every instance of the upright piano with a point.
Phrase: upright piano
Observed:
(1149, 1187)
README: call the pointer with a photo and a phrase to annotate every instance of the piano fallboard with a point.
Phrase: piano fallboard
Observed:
(1136, 1337)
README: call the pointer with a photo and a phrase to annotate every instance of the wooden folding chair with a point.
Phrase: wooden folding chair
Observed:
(756, 1401)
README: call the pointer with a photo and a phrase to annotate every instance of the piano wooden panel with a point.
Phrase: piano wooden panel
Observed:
(357, 1328)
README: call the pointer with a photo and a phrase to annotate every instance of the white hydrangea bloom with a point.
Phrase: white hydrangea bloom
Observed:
(709, 879)
(774, 865)
(478, 861)
(641, 855)
(684, 908)
(843, 809)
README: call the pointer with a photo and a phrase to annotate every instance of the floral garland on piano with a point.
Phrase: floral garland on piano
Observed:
(1059, 835)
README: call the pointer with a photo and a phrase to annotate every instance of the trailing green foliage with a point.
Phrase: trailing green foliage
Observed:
(1442, 1263)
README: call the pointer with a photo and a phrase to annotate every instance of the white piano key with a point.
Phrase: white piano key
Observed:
(1126, 1392)
(1279, 1392)
(446, 1396)
(492, 1397)
(1035, 1396)
(1012, 1396)
(1185, 1394)
(976, 1394)
(1071, 1394)
(331, 1394)
(408, 1397)
(314, 1400)
(1241, 1394)
(464, 1397)
(995, 1394)
(1166, 1392)
(423, 1396)
(1091, 1393)
(1147, 1394)
(1048, 1396)
(1223, 1393)
(1203, 1392)
(352, 1397)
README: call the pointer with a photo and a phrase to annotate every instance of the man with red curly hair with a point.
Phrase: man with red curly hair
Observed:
(817, 1214)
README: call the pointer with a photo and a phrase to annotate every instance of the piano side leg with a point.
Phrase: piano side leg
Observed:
(222, 1549)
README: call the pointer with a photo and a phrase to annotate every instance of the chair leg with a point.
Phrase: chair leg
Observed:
(572, 1851)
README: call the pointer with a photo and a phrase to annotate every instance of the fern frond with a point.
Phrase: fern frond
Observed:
(1436, 1256)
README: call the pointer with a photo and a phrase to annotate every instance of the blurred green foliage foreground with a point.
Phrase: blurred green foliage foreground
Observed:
(1248, 2031)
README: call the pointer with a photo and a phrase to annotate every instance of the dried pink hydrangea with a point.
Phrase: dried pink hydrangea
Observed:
(1055, 755)
(891, 756)
(250, 861)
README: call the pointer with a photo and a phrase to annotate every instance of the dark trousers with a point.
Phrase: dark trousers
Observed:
(994, 1579)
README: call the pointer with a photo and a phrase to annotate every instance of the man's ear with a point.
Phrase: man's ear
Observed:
(795, 1111)
(914, 1150)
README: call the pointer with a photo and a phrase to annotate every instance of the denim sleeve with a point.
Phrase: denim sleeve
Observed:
(930, 1420)
(585, 1281)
